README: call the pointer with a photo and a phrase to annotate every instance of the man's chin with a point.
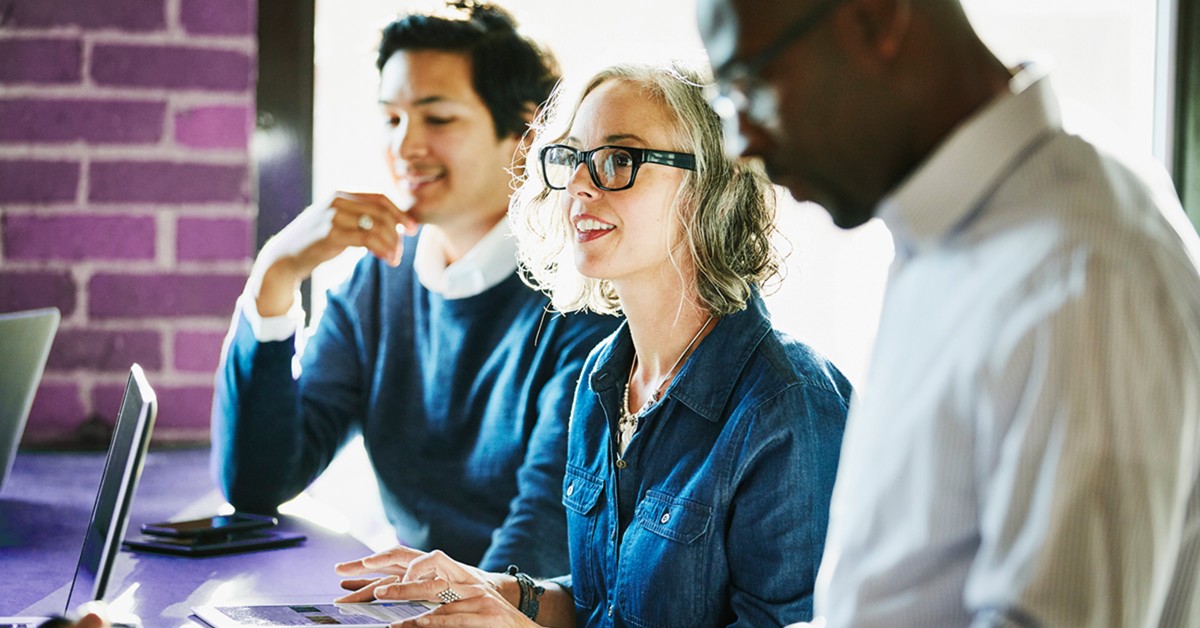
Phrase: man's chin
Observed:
(849, 219)
(843, 215)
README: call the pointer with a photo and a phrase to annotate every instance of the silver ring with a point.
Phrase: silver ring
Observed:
(365, 222)
(448, 596)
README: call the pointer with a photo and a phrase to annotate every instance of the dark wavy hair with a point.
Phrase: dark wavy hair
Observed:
(511, 73)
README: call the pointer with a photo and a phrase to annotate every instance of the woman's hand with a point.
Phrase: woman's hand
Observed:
(410, 574)
(480, 607)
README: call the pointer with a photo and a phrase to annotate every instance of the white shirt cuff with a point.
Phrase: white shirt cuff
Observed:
(272, 328)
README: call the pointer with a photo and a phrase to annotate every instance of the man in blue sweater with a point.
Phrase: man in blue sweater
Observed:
(434, 350)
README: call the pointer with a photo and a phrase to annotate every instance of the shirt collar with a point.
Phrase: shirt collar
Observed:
(708, 377)
(492, 260)
(944, 193)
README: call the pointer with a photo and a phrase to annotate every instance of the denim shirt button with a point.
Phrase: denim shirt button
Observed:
(621, 464)
(665, 518)
(610, 610)
(570, 489)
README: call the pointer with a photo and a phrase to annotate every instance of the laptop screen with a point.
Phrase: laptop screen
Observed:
(25, 339)
(110, 514)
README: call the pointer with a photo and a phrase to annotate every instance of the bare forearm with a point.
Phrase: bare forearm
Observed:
(557, 608)
(278, 289)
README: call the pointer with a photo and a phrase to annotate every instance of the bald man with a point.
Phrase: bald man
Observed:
(1026, 449)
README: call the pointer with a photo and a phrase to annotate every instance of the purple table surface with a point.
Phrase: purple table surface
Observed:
(44, 509)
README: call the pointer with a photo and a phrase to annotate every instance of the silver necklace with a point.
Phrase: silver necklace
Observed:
(628, 424)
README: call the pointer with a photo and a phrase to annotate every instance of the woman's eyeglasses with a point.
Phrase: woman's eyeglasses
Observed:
(613, 168)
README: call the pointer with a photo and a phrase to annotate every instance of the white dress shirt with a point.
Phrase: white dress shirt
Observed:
(488, 263)
(1025, 450)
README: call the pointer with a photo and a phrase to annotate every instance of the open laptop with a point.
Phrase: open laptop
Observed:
(110, 514)
(25, 339)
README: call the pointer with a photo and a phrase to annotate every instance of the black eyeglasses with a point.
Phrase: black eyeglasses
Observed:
(739, 86)
(613, 168)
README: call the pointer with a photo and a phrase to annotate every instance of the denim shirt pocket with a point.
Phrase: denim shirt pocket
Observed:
(681, 520)
(581, 494)
(666, 563)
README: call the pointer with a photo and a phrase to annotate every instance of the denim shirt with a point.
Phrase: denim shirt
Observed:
(716, 514)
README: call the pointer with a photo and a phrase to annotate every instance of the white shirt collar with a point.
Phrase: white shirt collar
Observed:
(925, 208)
(487, 264)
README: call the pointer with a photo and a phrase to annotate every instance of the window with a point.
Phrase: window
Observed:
(1102, 54)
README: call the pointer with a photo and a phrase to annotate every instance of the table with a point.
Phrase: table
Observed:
(44, 509)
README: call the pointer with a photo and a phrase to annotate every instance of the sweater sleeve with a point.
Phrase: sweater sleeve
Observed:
(534, 534)
(274, 433)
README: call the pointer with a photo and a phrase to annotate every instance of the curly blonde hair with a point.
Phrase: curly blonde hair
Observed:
(725, 208)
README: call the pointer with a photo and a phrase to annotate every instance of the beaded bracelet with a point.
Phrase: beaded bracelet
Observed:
(531, 592)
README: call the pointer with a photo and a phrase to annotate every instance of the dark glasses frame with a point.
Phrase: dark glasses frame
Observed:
(738, 83)
(752, 66)
(685, 161)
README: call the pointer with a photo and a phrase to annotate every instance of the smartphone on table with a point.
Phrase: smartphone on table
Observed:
(219, 525)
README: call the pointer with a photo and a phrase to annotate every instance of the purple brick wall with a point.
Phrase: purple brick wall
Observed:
(127, 15)
(185, 408)
(216, 239)
(38, 181)
(173, 67)
(217, 17)
(57, 409)
(214, 127)
(126, 195)
(139, 296)
(26, 290)
(198, 350)
(41, 61)
(78, 237)
(98, 349)
(160, 182)
(99, 121)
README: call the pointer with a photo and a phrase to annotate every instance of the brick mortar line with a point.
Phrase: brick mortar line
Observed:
(89, 380)
(78, 91)
(208, 324)
(222, 210)
(80, 274)
(226, 43)
(172, 153)
(164, 242)
(244, 42)
(83, 270)
(85, 179)
(85, 77)
(172, 11)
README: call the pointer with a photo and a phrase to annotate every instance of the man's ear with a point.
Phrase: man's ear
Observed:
(873, 32)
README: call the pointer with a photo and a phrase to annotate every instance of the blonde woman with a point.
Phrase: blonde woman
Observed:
(703, 443)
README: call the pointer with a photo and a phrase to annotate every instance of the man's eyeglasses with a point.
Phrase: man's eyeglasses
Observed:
(739, 87)
(613, 168)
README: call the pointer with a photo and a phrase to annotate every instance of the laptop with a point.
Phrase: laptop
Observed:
(25, 339)
(110, 513)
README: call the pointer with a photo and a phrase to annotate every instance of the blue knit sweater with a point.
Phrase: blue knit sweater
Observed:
(463, 405)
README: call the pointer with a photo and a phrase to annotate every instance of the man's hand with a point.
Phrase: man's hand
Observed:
(319, 234)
